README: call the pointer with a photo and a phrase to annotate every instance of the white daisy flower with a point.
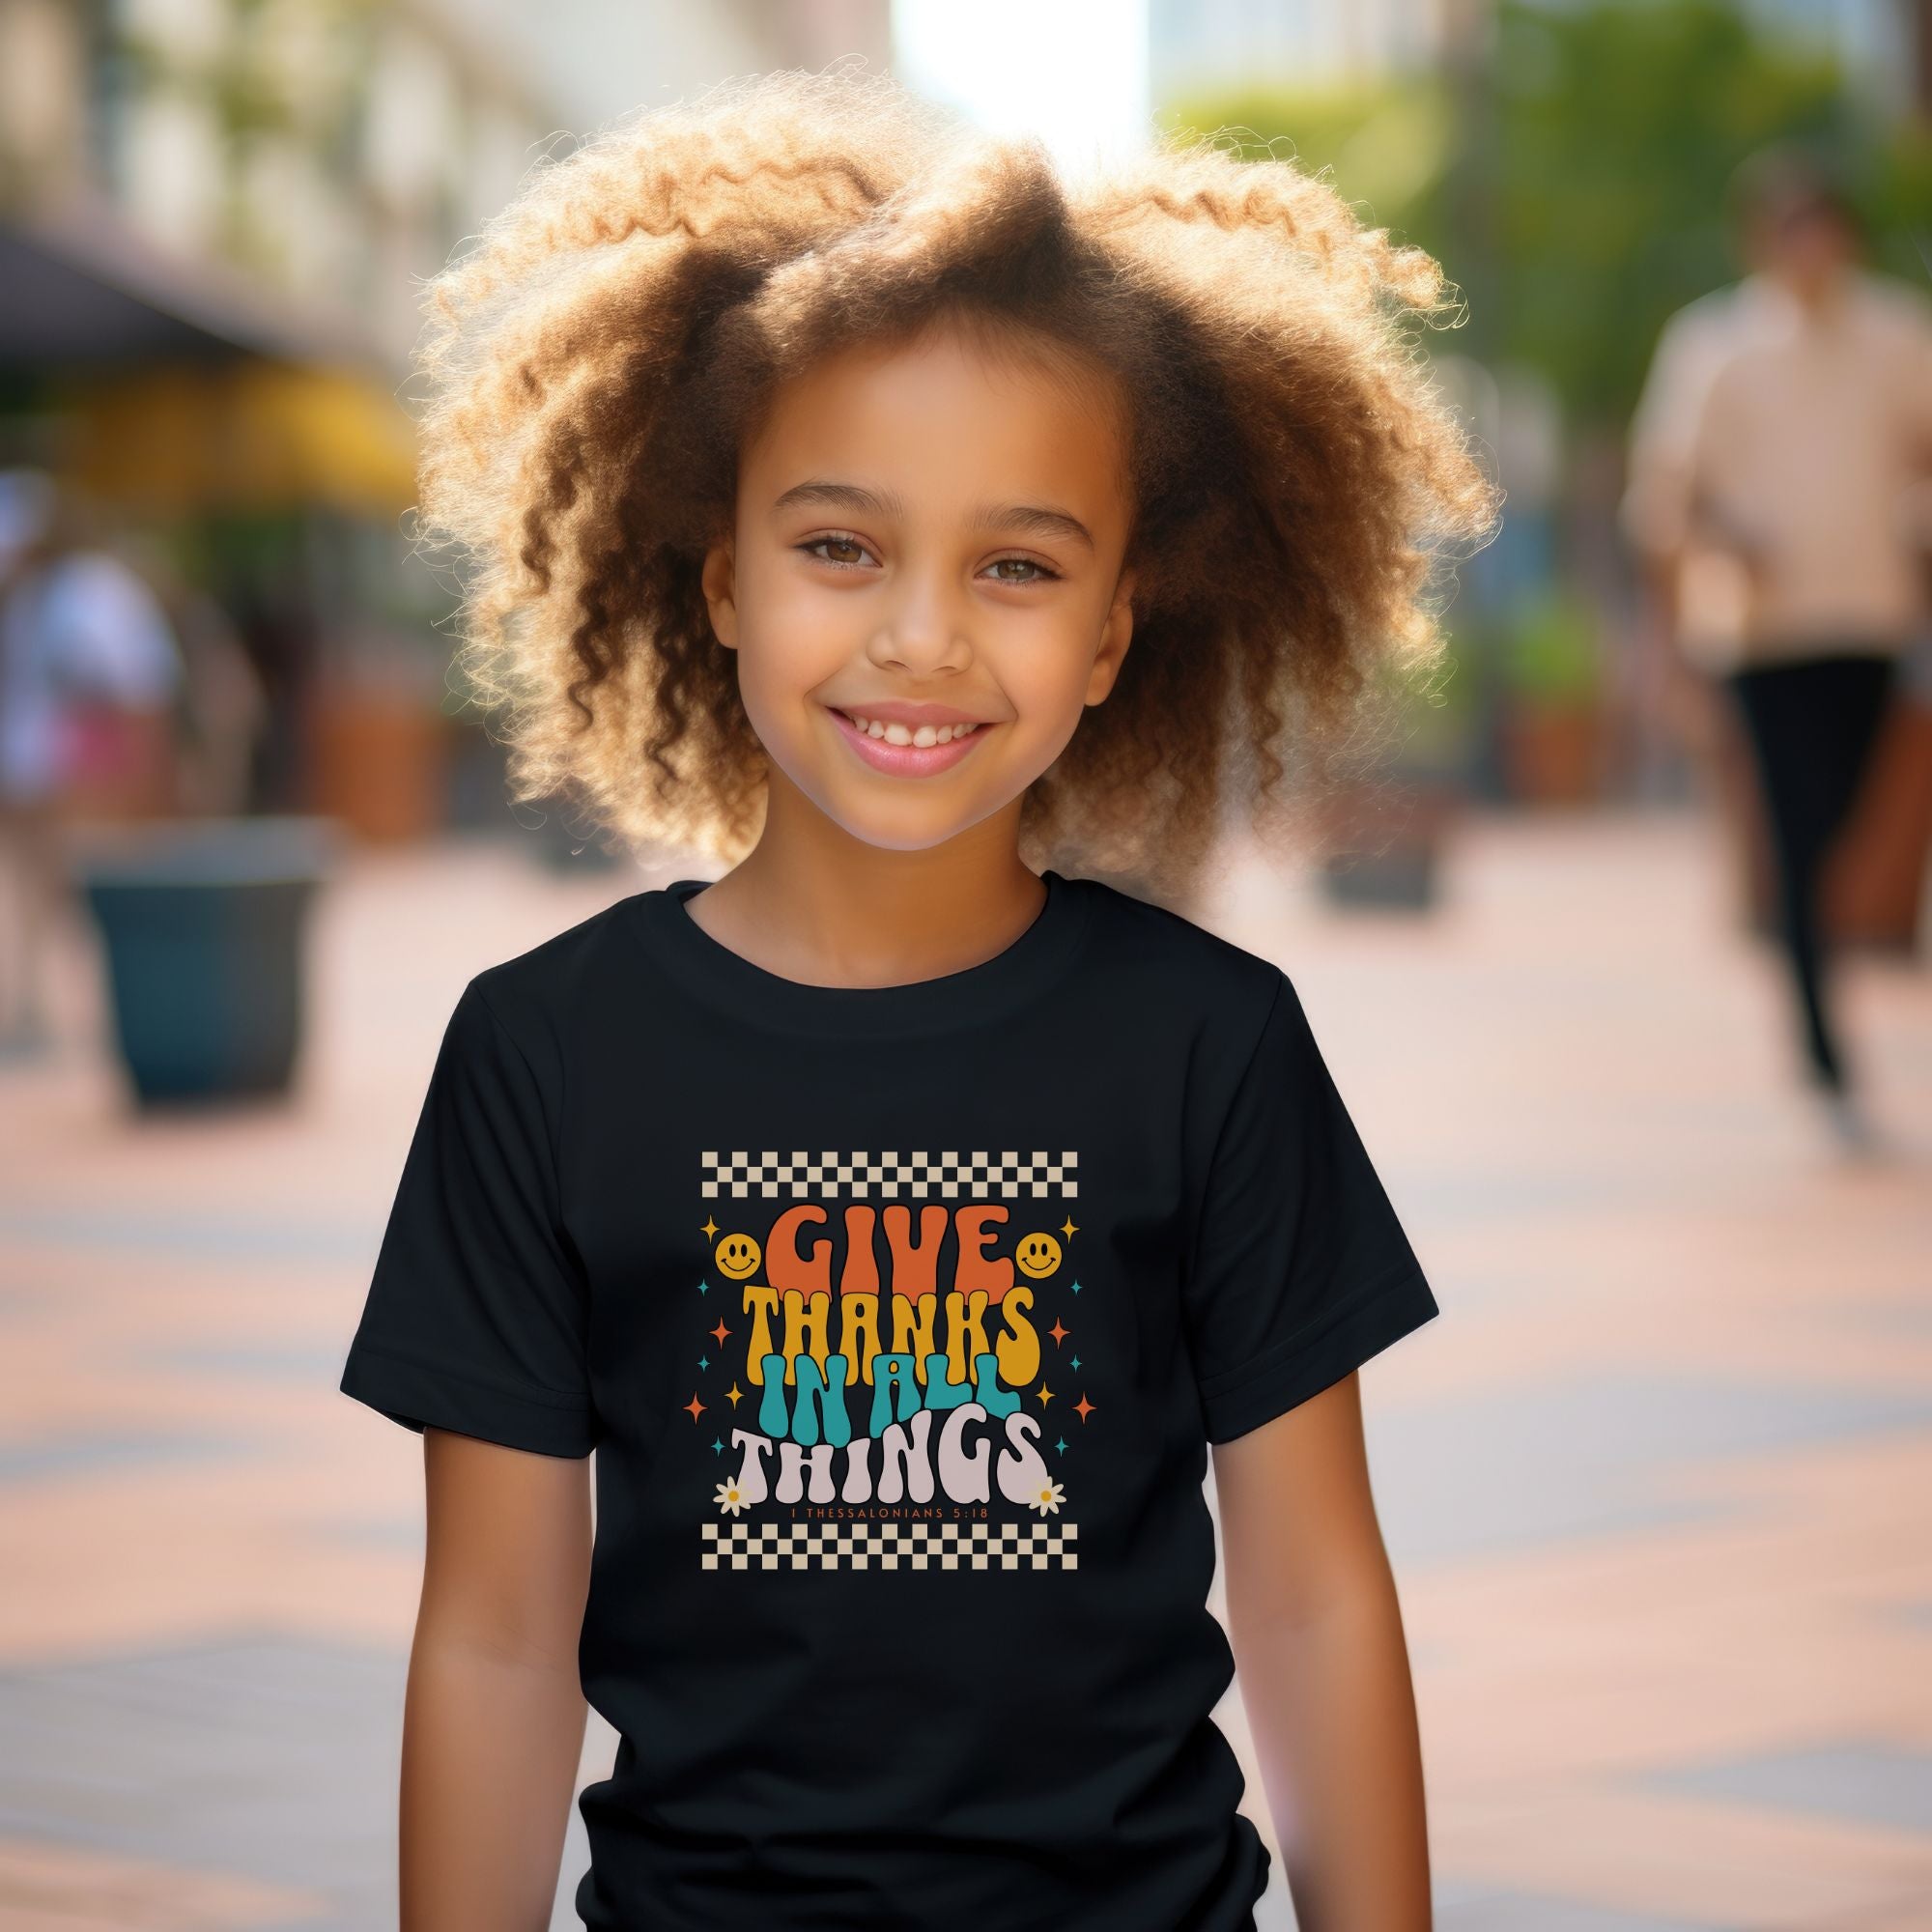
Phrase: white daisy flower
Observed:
(1050, 1499)
(731, 1497)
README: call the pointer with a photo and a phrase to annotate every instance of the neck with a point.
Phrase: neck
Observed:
(1816, 294)
(812, 902)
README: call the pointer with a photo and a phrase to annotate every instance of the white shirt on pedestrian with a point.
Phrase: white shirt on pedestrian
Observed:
(1808, 436)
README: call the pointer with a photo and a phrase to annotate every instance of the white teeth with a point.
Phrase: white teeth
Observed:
(901, 734)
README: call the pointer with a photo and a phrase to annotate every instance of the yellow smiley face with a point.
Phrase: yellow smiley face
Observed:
(1038, 1256)
(737, 1256)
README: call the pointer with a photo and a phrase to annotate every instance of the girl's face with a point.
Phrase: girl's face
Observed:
(924, 583)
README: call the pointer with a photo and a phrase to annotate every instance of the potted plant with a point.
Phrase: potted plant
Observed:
(380, 743)
(1386, 829)
(202, 924)
(1549, 719)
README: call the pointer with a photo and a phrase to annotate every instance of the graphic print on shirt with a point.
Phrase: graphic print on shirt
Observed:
(875, 1384)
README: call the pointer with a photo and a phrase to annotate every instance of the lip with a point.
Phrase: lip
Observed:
(905, 711)
(909, 761)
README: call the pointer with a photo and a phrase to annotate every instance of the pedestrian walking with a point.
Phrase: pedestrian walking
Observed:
(89, 674)
(1778, 463)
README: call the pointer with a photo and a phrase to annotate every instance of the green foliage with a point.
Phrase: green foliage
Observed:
(1388, 150)
(1896, 202)
(1572, 183)
(1620, 127)
(1551, 651)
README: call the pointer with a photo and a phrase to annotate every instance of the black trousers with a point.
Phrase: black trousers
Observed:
(1811, 723)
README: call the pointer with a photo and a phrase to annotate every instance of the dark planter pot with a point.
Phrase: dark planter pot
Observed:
(1552, 751)
(202, 925)
(1403, 875)
(1387, 846)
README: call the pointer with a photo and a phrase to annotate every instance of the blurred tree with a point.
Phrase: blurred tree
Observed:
(1571, 176)
(1621, 127)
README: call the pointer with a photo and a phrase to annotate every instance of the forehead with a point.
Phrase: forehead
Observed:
(945, 418)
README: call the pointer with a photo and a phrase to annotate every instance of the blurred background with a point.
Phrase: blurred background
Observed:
(1590, 951)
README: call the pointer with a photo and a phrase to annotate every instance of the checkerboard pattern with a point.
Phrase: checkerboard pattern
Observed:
(892, 1546)
(948, 1175)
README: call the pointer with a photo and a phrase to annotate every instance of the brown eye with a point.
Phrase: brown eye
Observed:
(1043, 575)
(818, 543)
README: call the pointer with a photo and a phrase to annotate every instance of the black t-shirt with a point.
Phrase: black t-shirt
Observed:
(899, 1318)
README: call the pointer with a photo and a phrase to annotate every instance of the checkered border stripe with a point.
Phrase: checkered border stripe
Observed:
(891, 1546)
(1037, 1176)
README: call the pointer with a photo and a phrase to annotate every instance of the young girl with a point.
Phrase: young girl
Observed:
(860, 501)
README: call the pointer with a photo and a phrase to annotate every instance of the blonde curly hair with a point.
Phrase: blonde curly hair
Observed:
(597, 360)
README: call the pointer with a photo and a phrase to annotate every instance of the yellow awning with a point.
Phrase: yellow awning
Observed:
(252, 433)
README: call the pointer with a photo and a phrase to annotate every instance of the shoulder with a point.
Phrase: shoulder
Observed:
(1709, 314)
(1171, 969)
(1705, 329)
(1893, 309)
(1692, 347)
(572, 975)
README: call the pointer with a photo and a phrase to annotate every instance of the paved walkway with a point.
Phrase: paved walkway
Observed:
(1656, 1485)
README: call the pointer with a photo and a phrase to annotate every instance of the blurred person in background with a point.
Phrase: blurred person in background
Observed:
(90, 671)
(1777, 462)
(220, 712)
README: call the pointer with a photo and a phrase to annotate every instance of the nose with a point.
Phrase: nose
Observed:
(923, 631)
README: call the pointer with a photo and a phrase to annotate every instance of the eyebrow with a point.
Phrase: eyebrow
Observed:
(1018, 519)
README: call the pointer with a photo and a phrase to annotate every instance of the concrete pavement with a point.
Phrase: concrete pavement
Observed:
(1656, 1486)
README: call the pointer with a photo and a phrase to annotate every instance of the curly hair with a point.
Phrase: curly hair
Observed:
(598, 359)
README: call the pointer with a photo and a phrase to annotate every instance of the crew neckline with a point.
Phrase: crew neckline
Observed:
(709, 969)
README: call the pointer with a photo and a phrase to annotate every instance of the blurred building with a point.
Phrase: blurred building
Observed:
(215, 217)
(1197, 44)
(323, 153)
(1300, 43)
(277, 172)
(600, 58)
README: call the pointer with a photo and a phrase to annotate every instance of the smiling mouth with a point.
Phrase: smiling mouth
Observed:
(894, 733)
(903, 750)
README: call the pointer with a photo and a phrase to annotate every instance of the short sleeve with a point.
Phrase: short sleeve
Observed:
(1300, 1269)
(477, 1313)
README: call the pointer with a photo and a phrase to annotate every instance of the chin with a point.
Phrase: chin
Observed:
(898, 836)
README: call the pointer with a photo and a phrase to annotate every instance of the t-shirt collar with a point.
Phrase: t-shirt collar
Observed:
(1027, 967)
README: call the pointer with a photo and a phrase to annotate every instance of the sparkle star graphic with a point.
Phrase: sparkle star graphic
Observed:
(736, 1394)
(1057, 1333)
(710, 1226)
(696, 1408)
(704, 1362)
(720, 1331)
(717, 1447)
(1076, 1288)
(1076, 1361)
(1045, 1395)
(1084, 1408)
(1068, 1228)
(704, 1288)
(1061, 1445)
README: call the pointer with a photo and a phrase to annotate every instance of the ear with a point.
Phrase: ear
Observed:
(1115, 634)
(718, 581)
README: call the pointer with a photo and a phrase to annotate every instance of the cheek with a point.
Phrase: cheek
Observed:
(1044, 670)
(789, 642)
